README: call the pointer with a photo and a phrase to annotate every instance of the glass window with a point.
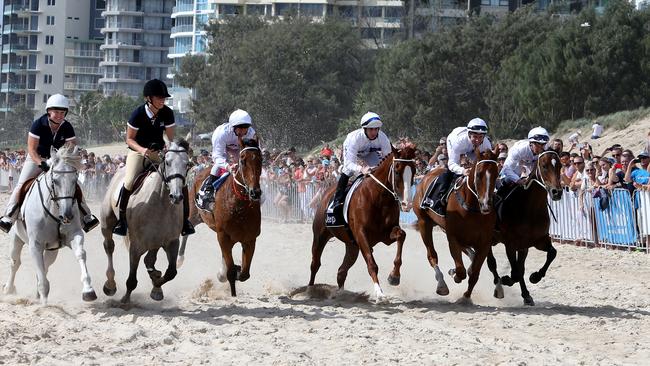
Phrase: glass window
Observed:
(348, 11)
(370, 33)
(311, 10)
(284, 8)
(394, 12)
(371, 11)
(255, 9)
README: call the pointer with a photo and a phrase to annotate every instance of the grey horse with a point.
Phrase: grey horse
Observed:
(50, 219)
(155, 217)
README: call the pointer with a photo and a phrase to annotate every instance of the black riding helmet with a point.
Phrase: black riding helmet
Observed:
(155, 88)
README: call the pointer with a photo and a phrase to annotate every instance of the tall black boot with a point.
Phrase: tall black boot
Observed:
(206, 192)
(88, 220)
(188, 228)
(121, 226)
(339, 196)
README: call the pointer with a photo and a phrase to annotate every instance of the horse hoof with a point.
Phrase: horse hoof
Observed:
(393, 281)
(507, 281)
(179, 261)
(458, 279)
(126, 299)
(9, 290)
(529, 301)
(442, 290)
(89, 296)
(243, 277)
(464, 301)
(156, 294)
(535, 277)
(498, 292)
(109, 291)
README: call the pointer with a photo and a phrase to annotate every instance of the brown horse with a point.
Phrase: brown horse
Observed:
(525, 222)
(236, 215)
(469, 222)
(373, 217)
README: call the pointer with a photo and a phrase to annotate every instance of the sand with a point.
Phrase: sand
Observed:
(592, 308)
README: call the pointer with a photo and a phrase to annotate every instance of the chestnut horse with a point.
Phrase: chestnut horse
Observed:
(524, 222)
(469, 222)
(373, 217)
(236, 216)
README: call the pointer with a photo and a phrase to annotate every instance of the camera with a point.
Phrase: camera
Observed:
(636, 160)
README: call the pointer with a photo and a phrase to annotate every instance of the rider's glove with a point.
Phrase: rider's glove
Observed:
(43, 165)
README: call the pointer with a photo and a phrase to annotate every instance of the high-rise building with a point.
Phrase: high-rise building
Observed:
(136, 41)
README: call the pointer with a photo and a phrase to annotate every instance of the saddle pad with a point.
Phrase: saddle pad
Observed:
(348, 196)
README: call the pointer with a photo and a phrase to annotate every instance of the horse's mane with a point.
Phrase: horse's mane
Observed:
(181, 142)
(70, 155)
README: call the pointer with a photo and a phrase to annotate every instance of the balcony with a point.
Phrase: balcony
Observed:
(122, 11)
(83, 53)
(80, 86)
(183, 8)
(89, 70)
(122, 27)
(12, 87)
(183, 29)
(178, 51)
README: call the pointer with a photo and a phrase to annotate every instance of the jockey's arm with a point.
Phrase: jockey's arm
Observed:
(130, 140)
(32, 144)
(453, 160)
(169, 132)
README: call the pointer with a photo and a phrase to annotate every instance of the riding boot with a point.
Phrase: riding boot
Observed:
(5, 224)
(188, 228)
(88, 220)
(206, 192)
(339, 196)
(439, 194)
(121, 226)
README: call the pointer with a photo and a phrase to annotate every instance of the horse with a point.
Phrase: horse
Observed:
(236, 216)
(50, 219)
(155, 217)
(469, 221)
(524, 223)
(373, 217)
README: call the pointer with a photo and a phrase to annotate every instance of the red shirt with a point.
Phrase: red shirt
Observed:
(326, 151)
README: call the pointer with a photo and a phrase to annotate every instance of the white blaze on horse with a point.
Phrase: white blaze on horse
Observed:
(49, 219)
(155, 217)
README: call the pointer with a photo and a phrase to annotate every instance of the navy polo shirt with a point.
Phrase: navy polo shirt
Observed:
(150, 130)
(41, 131)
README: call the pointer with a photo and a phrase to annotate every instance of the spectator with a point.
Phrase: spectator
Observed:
(501, 159)
(636, 176)
(606, 165)
(597, 131)
(576, 179)
(326, 152)
(442, 161)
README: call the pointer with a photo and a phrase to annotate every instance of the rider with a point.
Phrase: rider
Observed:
(225, 139)
(368, 144)
(523, 154)
(144, 135)
(461, 141)
(50, 130)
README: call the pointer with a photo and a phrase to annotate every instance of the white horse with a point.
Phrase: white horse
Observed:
(49, 219)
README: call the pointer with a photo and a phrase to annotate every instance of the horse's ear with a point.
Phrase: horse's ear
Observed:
(395, 150)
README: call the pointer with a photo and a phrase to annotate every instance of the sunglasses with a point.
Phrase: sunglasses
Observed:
(616, 154)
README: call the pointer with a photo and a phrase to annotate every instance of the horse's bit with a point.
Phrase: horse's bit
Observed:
(234, 177)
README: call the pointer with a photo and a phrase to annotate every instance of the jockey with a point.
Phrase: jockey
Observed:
(367, 144)
(50, 130)
(523, 156)
(144, 135)
(461, 141)
(225, 139)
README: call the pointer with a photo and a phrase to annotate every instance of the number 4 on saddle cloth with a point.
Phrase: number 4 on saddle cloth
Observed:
(338, 216)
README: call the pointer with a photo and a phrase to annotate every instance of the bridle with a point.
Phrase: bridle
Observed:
(535, 178)
(163, 171)
(52, 192)
(475, 189)
(391, 175)
(245, 185)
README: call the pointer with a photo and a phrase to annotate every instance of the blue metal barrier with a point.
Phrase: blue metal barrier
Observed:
(615, 223)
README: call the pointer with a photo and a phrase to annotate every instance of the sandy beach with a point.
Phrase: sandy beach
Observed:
(592, 308)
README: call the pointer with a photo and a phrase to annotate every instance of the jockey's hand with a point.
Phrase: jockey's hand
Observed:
(154, 156)
(365, 170)
(43, 165)
(466, 172)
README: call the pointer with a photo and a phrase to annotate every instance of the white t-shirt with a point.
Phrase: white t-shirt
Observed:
(358, 147)
(458, 143)
(597, 130)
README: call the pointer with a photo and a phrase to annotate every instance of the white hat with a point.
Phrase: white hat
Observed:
(477, 125)
(239, 118)
(539, 135)
(57, 101)
(371, 120)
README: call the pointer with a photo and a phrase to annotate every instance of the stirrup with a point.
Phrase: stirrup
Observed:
(87, 226)
(188, 228)
(5, 226)
(120, 228)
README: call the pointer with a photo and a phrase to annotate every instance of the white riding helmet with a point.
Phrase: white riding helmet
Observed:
(57, 101)
(371, 120)
(239, 118)
(477, 125)
(539, 135)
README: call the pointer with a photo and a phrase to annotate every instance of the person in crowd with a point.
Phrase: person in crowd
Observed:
(576, 179)
(461, 141)
(326, 152)
(225, 140)
(50, 130)
(144, 136)
(366, 145)
(557, 145)
(636, 176)
(596, 131)
(501, 159)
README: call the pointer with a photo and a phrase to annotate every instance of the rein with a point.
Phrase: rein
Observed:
(52, 195)
(391, 174)
(166, 179)
(535, 178)
(244, 185)
(473, 190)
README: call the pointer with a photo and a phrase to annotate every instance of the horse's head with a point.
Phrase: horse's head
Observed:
(175, 166)
(403, 174)
(548, 173)
(482, 179)
(250, 168)
(61, 179)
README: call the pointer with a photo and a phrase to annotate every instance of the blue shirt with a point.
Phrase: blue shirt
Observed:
(640, 176)
(41, 131)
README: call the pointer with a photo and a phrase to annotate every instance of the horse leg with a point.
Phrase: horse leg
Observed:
(492, 265)
(132, 280)
(521, 262)
(317, 246)
(373, 268)
(551, 252)
(43, 285)
(87, 293)
(506, 280)
(351, 255)
(150, 264)
(16, 249)
(475, 268)
(110, 286)
(425, 227)
(400, 236)
(247, 251)
(171, 250)
(229, 267)
(456, 252)
(181, 252)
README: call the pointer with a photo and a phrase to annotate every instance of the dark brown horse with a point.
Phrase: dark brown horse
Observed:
(524, 223)
(236, 215)
(469, 222)
(373, 217)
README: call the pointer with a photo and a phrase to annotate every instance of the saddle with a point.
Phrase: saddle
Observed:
(139, 179)
(337, 218)
(437, 194)
(78, 195)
